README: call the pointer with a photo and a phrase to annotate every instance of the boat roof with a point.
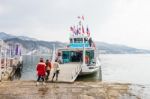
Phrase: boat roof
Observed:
(75, 49)
(79, 36)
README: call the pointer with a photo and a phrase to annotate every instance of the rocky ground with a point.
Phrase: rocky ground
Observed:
(76, 90)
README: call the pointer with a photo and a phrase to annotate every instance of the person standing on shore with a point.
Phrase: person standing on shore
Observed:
(90, 42)
(56, 70)
(48, 69)
(41, 71)
(87, 59)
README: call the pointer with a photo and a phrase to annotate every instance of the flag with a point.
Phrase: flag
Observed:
(74, 31)
(77, 31)
(82, 29)
(17, 50)
(82, 17)
(80, 23)
(87, 31)
(20, 52)
(94, 45)
(71, 29)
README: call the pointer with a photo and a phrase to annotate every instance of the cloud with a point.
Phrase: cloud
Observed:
(115, 21)
(128, 23)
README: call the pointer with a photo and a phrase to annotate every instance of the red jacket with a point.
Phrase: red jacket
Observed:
(41, 69)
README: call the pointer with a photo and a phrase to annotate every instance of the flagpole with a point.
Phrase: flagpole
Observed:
(84, 51)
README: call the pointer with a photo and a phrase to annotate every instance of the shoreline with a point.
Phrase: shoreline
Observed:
(77, 90)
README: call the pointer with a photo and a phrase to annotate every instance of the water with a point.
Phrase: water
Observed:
(29, 66)
(126, 68)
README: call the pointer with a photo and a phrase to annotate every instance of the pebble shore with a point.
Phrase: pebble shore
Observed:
(76, 90)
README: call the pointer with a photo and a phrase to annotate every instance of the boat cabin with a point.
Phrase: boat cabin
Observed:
(74, 52)
(76, 55)
(79, 42)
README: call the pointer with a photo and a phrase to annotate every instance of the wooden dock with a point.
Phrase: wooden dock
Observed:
(9, 67)
(68, 72)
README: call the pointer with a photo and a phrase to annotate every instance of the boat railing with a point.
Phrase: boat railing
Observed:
(76, 72)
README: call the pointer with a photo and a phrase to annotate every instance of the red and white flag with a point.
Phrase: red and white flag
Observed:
(87, 31)
(71, 29)
(78, 17)
(82, 17)
(82, 29)
(79, 30)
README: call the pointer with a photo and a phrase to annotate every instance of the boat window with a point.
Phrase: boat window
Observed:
(85, 39)
(65, 56)
(81, 40)
(75, 40)
(71, 41)
(72, 56)
(78, 40)
(76, 56)
(90, 54)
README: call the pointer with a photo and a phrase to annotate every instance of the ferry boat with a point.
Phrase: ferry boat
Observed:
(81, 50)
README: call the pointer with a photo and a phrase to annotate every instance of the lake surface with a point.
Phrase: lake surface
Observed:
(126, 68)
(29, 66)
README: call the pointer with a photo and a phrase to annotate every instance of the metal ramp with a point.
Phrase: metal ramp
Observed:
(68, 72)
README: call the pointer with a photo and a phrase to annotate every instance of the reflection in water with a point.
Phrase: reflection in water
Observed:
(17, 74)
(29, 66)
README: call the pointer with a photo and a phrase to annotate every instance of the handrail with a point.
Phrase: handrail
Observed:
(76, 72)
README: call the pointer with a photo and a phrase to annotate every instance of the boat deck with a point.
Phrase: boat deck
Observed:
(68, 72)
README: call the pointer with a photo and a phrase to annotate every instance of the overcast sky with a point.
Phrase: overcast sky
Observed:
(113, 21)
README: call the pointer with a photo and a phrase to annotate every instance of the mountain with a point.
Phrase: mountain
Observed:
(30, 44)
(26, 38)
(5, 36)
(119, 49)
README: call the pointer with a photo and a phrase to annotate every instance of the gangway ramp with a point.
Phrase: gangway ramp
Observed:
(69, 72)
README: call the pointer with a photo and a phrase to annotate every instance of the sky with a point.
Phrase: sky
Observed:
(113, 21)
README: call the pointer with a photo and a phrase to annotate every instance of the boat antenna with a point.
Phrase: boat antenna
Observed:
(54, 53)
(83, 53)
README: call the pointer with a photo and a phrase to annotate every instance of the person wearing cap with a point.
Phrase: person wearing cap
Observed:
(41, 71)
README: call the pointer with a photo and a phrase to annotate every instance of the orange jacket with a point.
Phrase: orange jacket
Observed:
(48, 65)
(86, 59)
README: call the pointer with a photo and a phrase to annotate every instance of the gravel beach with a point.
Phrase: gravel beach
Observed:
(76, 90)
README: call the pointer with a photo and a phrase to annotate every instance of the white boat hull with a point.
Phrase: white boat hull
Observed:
(89, 70)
